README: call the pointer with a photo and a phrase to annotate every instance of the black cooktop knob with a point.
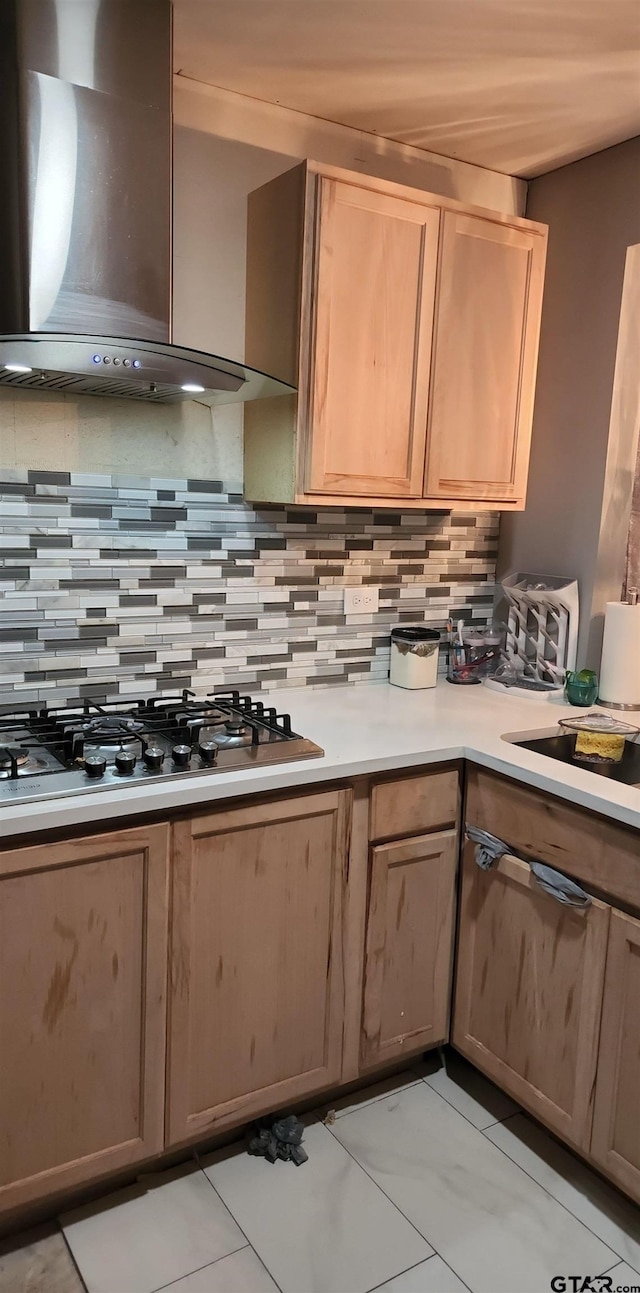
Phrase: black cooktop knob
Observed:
(208, 751)
(181, 755)
(95, 766)
(153, 757)
(125, 762)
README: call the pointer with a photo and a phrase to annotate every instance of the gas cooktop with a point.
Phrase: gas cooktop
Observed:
(45, 753)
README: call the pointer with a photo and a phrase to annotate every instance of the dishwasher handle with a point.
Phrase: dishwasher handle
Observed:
(489, 850)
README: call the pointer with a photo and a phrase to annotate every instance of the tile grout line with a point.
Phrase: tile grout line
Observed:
(511, 1160)
(379, 1287)
(415, 1267)
(497, 1122)
(389, 1200)
(613, 1268)
(242, 1232)
(70, 1252)
(172, 1283)
(375, 1183)
(374, 1100)
(548, 1192)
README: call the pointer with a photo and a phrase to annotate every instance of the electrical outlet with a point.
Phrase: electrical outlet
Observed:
(362, 600)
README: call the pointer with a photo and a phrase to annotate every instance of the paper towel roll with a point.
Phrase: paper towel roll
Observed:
(620, 664)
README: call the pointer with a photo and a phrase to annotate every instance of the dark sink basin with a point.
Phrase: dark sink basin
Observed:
(561, 748)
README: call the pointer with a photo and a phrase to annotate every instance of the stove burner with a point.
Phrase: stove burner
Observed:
(109, 729)
(21, 757)
(214, 715)
(234, 734)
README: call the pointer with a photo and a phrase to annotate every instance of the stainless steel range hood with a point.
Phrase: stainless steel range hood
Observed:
(85, 208)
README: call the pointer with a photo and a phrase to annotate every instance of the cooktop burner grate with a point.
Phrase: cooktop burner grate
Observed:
(45, 752)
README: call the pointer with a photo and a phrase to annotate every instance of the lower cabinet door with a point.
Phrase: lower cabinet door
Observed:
(256, 986)
(83, 967)
(528, 996)
(409, 950)
(615, 1143)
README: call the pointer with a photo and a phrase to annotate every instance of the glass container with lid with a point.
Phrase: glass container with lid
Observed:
(599, 738)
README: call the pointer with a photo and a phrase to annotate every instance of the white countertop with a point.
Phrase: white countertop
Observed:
(363, 729)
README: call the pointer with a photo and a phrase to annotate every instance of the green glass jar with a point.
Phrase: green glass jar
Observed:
(581, 688)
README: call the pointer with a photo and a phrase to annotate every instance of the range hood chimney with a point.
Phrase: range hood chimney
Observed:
(85, 208)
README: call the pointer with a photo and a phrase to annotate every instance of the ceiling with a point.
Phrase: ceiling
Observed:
(520, 86)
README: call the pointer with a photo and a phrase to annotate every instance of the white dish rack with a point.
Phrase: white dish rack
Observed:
(542, 626)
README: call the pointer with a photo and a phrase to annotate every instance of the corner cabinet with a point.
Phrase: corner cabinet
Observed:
(83, 947)
(529, 992)
(409, 325)
(256, 983)
(546, 996)
(615, 1145)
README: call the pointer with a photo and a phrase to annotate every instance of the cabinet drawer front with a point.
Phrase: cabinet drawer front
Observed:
(615, 1143)
(375, 265)
(529, 991)
(593, 849)
(414, 805)
(409, 946)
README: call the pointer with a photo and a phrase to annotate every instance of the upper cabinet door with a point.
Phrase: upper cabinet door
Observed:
(484, 362)
(370, 344)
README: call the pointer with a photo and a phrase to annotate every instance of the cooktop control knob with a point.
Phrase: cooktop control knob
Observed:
(153, 757)
(181, 755)
(208, 751)
(95, 766)
(125, 762)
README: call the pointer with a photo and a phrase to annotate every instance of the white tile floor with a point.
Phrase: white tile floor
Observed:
(429, 1183)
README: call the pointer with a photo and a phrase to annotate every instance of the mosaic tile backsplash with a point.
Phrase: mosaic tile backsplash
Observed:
(117, 585)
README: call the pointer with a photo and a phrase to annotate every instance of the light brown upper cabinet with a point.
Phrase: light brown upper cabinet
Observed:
(484, 360)
(409, 325)
(83, 967)
(369, 376)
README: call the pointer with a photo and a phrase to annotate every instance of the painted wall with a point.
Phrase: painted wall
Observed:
(592, 208)
(225, 146)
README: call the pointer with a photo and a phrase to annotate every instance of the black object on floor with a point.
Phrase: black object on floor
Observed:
(278, 1138)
